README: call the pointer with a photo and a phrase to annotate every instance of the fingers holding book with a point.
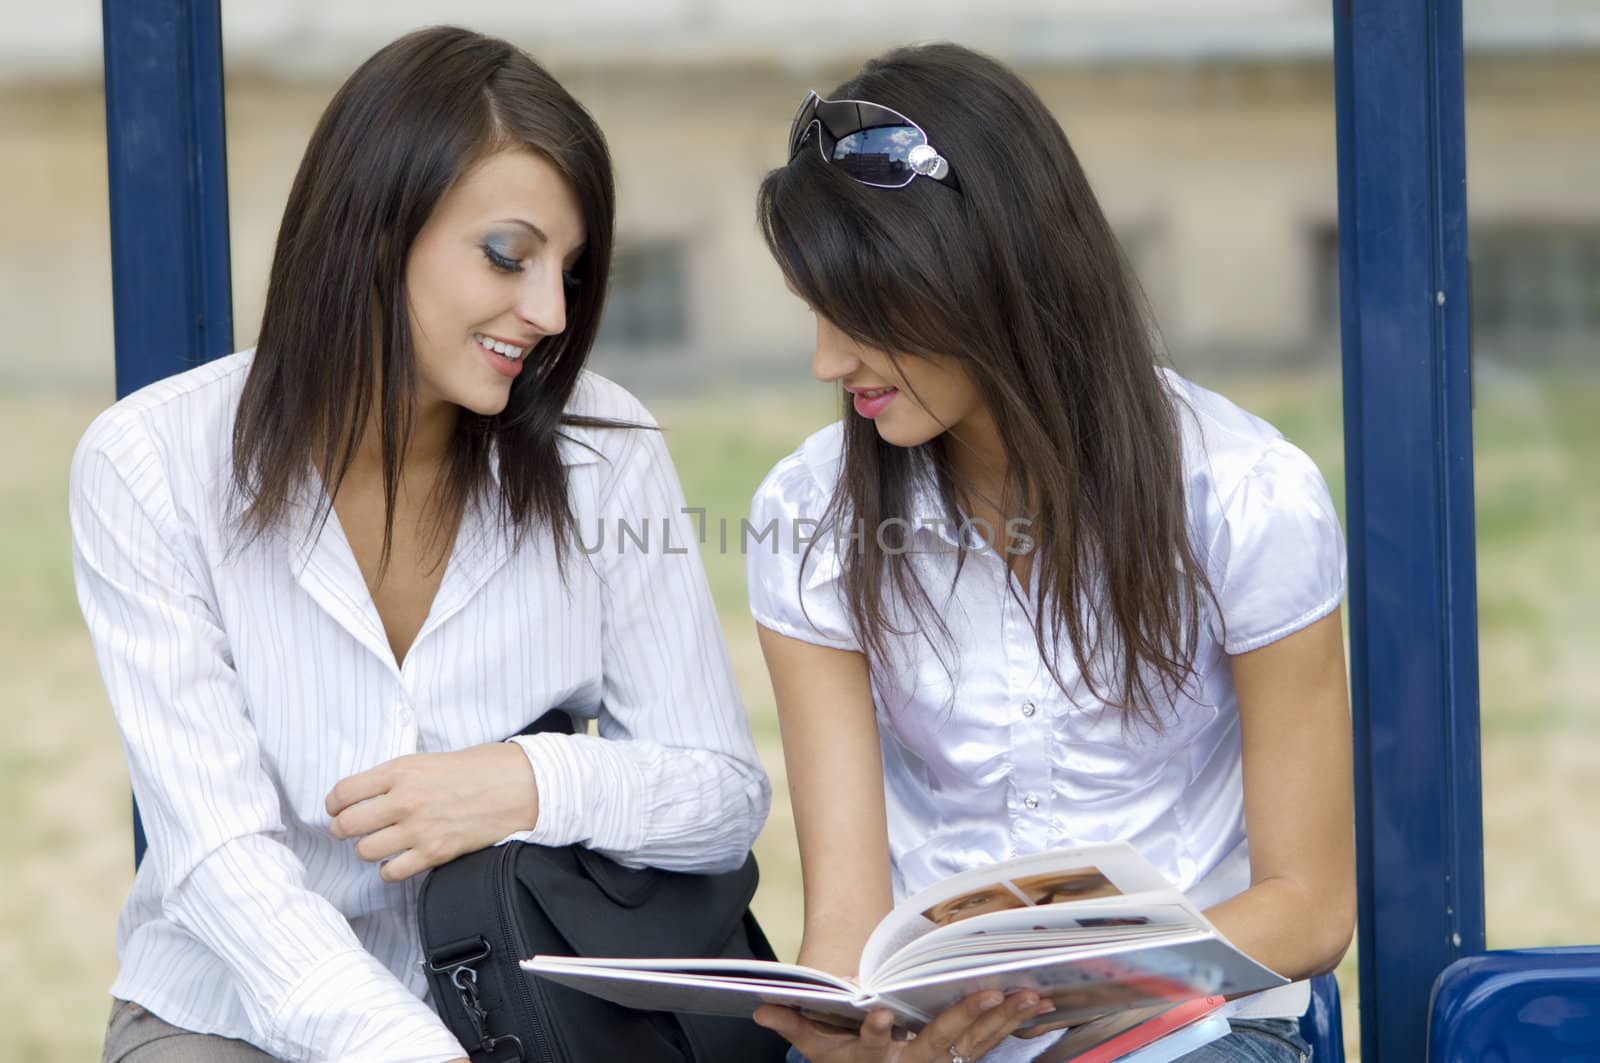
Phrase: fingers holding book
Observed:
(827, 1039)
(966, 1031)
(973, 1027)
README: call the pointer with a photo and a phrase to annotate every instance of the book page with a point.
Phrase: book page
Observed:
(1172, 1046)
(1124, 975)
(761, 972)
(1175, 1046)
(711, 994)
(1114, 1036)
(1056, 926)
(1063, 876)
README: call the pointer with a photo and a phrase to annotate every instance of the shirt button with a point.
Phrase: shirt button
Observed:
(1029, 709)
(1031, 801)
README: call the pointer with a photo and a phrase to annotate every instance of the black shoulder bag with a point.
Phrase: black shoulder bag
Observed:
(480, 914)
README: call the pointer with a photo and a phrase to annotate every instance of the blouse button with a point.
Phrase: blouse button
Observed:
(1029, 709)
(1031, 801)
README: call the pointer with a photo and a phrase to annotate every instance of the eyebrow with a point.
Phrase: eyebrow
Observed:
(540, 233)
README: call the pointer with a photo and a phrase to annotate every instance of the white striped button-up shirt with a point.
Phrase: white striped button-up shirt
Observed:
(249, 677)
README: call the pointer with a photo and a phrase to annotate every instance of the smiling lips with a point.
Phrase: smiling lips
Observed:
(870, 402)
(505, 357)
(500, 347)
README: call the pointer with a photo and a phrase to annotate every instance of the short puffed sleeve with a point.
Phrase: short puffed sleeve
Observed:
(792, 560)
(1277, 559)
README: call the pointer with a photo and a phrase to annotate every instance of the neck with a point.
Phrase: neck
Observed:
(432, 429)
(978, 461)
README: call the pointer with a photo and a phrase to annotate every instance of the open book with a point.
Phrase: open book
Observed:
(1096, 929)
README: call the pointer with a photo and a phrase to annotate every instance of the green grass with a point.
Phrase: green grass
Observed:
(63, 792)
(723, 447)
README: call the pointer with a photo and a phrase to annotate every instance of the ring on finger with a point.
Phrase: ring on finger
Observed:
(956, 1056)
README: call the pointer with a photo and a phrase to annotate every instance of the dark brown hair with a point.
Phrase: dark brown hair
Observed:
(1019, 278)
(336, 331)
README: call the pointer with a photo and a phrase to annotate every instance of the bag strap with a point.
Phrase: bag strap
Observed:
(454, 965)
(556, 721)
(457, 960)
(467, 960)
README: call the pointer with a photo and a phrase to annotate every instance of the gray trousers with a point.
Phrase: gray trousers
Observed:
(134, 1035)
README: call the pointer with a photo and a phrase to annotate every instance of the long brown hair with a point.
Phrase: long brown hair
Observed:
(336, 328)
(1019, 276)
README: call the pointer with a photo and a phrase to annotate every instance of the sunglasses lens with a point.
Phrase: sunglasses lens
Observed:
(878, 156)
(869, 142)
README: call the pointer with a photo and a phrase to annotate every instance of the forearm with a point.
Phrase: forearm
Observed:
(836, 934)
(835, 768)
(1293, 929)
(845, 862)
(310, 989)
(1299, 913)
(644, 803)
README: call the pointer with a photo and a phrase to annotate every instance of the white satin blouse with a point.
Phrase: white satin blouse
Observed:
(996, 760)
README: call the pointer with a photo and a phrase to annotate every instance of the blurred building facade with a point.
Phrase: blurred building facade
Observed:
(1207, 129)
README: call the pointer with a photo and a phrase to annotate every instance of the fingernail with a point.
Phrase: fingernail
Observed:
(1027, 1003)
(1045, 1007)
(990, 1003)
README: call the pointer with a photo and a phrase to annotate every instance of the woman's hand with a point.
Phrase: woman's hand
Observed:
(419, 811)
(964, 1031)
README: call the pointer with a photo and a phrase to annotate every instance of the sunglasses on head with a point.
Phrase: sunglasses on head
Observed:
(874, 144)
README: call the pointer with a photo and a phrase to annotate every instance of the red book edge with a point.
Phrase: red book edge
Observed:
(1151, 1030)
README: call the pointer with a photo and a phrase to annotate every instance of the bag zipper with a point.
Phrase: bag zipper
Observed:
(511, 934)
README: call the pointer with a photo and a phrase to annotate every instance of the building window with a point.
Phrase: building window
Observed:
(1535, 287)
(647, 298)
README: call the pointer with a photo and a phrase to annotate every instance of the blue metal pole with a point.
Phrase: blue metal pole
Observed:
(1408, 452)
(169, 186)
(169, 192)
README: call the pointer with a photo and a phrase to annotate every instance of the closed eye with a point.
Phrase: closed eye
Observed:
(501, 262)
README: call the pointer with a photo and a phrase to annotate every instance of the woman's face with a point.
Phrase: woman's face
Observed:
(909, 399)
(978, 902)
(487, 277)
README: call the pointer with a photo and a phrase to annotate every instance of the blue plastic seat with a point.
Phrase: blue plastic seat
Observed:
(1323, 1025)
(1517, 1004)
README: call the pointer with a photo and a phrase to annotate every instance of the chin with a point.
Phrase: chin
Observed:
(492, 409)
(485, 402)
(899, 436)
